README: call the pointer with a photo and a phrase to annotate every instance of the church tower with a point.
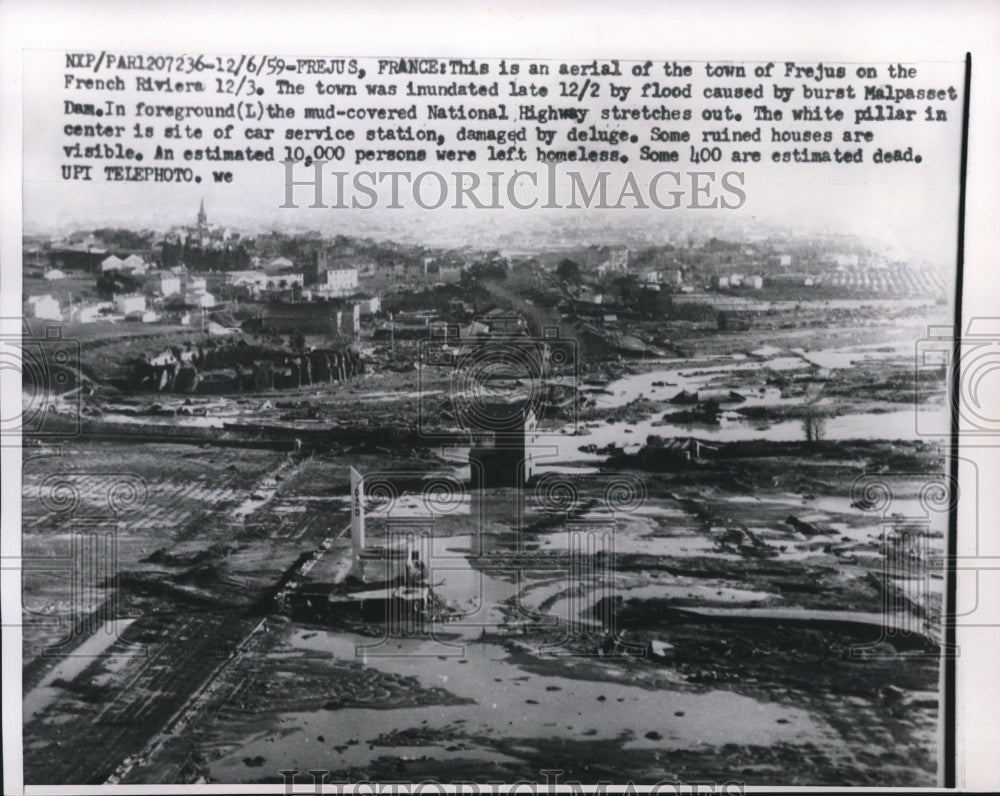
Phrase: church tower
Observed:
(202, 218)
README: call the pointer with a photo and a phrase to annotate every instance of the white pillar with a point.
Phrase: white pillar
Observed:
(357, 517)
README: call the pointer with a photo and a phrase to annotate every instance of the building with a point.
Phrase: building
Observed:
(339, 282)
(279, 264)
(367, 305)
(616, 261)
(89, 313)
(449, 273)
(111, 263)
(282, 281)
(385, 583)
(507, 458)
(844, 262)
(201, 298)
(43, 308)
(734, 321)
(130, 303)
(323, 262)
(315, 317)
(250, 281)
(502, 323)
(680, 450)
(253, 283)
(76, 258)
(167, 284)
(790, 280)
(54, 274)
(350, 318)
(134, 264)
(403, 269)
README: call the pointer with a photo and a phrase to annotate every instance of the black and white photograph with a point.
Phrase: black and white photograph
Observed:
(512, 398)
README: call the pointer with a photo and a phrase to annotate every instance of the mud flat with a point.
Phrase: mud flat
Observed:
(714, 638)
(648, 615)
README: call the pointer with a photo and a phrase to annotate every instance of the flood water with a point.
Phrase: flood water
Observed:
(510, 703)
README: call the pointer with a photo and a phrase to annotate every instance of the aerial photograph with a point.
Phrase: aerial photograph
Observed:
(654, 504)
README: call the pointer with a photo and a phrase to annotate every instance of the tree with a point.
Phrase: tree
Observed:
(117, 282)
(568, 271)
(495, 271)
(123, 239)
(814, 426)
(627, 287)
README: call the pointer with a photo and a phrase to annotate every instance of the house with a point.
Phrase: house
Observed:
(367, 305)
(756, 281)
(340, 282)
(130, 303)
(196, 283)
(251, 281)
(255, 282)
(163, 359)
(89, 313)
(315, 273)
(167, 285)
(283, 281)
(134, 264)
(720, 282)
(43, 308)
(54, 274)
(201, 298)
(449, 273)
(112, 263)
(845, 261)
(407, 270)
(279, 264)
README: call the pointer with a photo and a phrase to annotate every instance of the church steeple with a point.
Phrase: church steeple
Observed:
(202, 218)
